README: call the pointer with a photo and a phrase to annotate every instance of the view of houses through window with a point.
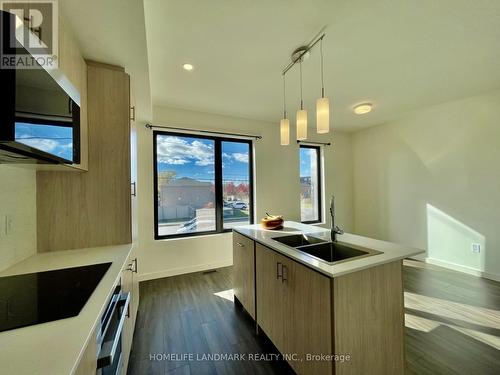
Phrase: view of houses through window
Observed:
(235, 183)
(189, 172)
(310, 184)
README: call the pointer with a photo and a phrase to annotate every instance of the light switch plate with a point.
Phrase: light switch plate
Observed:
(476, 248)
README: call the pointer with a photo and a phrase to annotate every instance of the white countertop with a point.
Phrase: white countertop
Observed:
(56, 347)
(389, 251)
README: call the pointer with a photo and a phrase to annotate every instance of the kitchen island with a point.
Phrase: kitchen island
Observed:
(340, 317)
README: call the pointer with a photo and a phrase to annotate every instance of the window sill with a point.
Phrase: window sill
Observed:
(192, 237)
(320, 223)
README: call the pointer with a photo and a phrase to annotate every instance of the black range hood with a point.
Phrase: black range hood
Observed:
(17, 153)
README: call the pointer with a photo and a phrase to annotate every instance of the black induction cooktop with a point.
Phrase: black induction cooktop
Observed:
(42, 297)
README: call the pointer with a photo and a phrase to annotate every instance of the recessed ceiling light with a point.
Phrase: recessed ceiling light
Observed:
(187, 67)
(363, 108)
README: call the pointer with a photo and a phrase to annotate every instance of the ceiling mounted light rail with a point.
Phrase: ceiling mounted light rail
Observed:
(322, 104)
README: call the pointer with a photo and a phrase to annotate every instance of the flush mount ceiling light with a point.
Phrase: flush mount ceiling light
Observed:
(187, 67)
(322, 104)
(363, 108)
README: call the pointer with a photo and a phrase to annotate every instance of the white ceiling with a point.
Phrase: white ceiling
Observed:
(113, 32)
(400, 55)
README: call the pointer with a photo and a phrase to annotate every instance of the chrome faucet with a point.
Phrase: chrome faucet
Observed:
(334, 229)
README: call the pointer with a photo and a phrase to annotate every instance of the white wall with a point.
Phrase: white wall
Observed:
(18, 200)
(432, 180)
(276, 183)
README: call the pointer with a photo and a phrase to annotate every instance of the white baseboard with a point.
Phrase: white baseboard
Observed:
(464, 269)
(183, 270)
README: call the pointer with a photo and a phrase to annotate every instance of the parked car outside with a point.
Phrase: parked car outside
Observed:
(240, 205)
(194, 225)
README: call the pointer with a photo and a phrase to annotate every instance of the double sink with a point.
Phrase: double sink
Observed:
(327, 251)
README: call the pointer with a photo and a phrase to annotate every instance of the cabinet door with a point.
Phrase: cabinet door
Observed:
(96, 202)
(133, 171)
(244, 272)
(135, 289)
(269, 294)
(307, 317)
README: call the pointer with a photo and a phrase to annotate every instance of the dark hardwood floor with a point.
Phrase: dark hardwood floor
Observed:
(195, 314)
(452, 325)
(452, 321)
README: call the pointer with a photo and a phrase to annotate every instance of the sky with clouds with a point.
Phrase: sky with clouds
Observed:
(56, 140)
(194, 158)
(307, 160)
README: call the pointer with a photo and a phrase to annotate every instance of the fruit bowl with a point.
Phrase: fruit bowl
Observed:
(273, 222)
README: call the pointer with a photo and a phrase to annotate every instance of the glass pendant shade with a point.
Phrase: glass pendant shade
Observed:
(285, 132)
(301, 124)
(322, 115)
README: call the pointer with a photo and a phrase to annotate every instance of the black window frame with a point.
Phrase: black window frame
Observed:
(320, 182)
(219, 220)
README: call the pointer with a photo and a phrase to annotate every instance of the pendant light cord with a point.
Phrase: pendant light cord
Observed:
(284, 97)
(301, 102)
(322, 77)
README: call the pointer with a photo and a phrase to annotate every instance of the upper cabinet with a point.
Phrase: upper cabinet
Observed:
(73, 71)
(80, 210)
(133, 167)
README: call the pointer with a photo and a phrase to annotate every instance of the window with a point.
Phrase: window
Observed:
(202, 184)
(310, 184)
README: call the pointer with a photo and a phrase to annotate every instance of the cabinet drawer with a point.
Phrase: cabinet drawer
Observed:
(242, 241)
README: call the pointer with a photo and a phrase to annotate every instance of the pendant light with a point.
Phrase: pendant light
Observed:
(284, 123)
(301, 113)
(322, 104)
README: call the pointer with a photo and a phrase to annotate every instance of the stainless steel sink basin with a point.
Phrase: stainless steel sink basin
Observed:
(335, 252)
(296, 240)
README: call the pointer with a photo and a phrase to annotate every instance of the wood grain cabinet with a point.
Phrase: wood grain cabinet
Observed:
(293, 309)
(270, 296)
(244, 272)
(311, 318)
(90, 209)
(307, 317)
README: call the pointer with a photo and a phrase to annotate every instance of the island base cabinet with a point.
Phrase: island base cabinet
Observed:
(244, 272)
(294, 310)
(368, 315)
(307, 318)
(270, 294)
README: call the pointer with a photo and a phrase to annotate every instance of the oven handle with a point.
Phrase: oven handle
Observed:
(107, 357)
(109, 311)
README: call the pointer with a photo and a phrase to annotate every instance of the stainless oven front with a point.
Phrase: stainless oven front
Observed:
(109, 334)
